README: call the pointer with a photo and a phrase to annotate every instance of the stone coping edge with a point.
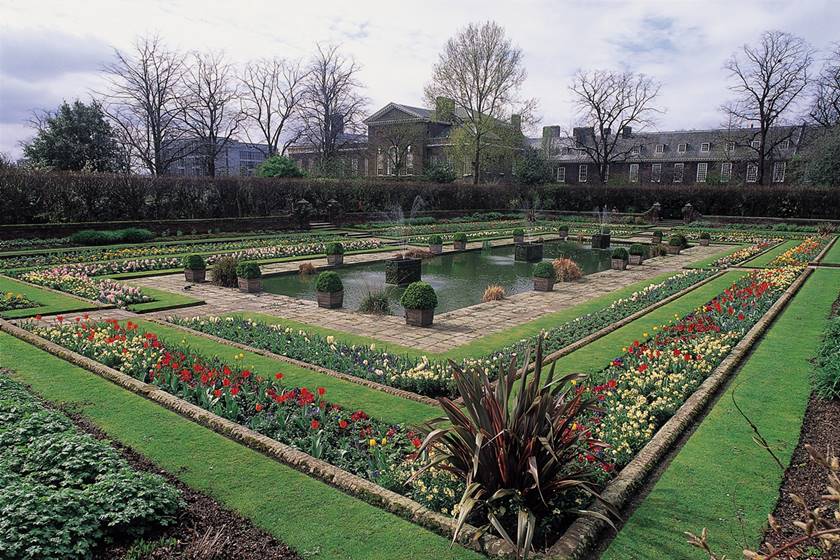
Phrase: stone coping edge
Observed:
(402, 393)
(349, 483)
(580, 537)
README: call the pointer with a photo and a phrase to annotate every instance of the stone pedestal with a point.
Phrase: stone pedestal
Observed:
(601, 241)
(402, 272)
(528, 252)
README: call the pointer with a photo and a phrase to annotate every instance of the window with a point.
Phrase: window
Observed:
(730, 146)
(725, 172)
(752, 173)
(634, 172)
(380, 162)
(784, 144)
(366, 167)
(656, 173)
(678, 172)
(561, 174)
(681, 148)
(705, 147)
(660, 149)
(755, 144)
(635, 150)
(702, 171)
(779, 171)
(583, 173)
(409, 162)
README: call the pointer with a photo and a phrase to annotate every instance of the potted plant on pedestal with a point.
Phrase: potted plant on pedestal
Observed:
(637, 253)
(657, 236)
(195, 269)
(676, 243)
(544, 277)
(249, 277)
(518, 235)
(601, 240)
(563, 232)
(619, 258)
(419, 301)
(335, 253)
(459, 241)
(329, 290)
(705, 239)
(435, 244)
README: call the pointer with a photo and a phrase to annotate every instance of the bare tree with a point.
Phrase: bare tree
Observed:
(480, 72)
(141, 102)
(767, 79)
(608, 103)
(825, 106)
(271, 101)
(210, 106)
(331, 104)
(396, 143)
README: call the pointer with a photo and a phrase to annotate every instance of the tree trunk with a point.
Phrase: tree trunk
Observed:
(476, 163)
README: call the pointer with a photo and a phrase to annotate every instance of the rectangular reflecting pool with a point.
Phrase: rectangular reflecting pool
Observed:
(458, 278)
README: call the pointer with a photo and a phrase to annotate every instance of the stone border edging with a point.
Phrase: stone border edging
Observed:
(408, 395)
(818, 259)
(579, 538)
(349, 483)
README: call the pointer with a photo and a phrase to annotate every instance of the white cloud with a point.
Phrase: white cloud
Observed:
(682, 43)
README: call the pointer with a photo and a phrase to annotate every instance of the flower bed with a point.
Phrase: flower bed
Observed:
(74, 282)
(743, 255)
(64, 493)
(420, 375)
(11, 300)
(801, 254)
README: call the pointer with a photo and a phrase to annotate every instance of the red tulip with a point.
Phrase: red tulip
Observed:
(315, 424)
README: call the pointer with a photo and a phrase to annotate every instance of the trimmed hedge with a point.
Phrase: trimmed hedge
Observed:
(419, 295)
(248, 270)
(545, 269)
(329, 282)
(111, 237)
(38, 197)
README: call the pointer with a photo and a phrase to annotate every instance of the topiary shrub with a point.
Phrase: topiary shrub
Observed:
(94, 237)
(435, 240)
(460, 237)
(705, 235)
(544, 269)
(518, 231)
(329, 282)
(194, 262)
(223, 272)
(637, 249)
(335, 248)
(678, 240)
(620, 253)
(248, 270)
(419, 295)
(563, 227)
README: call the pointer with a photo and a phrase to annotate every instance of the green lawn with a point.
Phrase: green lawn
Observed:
(314, 518)
(50, 302)
(707, 262)
(721, 479)
(763, 260)
(163, 300)
(833, 254)
(346, 393)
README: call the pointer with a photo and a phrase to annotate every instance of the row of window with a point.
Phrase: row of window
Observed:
(705, 147)
(679, 172)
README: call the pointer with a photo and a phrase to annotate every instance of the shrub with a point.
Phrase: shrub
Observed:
(223, 272)
(567, 270)
(493, 292)
(518, 231)
(278, 166)
(678, 240)
(563, 228)
(306, 269)
(335, 248)
(376, 303)
(194, 262)
(620, 253)
(439, 173)
(826, 377)
(460, 237)
(100, 237)
(658, 251)
(419, 295)
(637, 249)
(248, 270)
(544, 269)
(135, 235)
(705, 235)
(533, 472)
(435, 240)
(329, 282)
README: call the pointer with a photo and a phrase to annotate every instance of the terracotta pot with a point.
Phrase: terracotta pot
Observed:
(335, 260)
(673, 249)
(618, 264)
(636, 259)
(330, 300)
(518, 238)
(196, 275)
(705, 242)
(436, 249)
(250, 285)
(543, 284)
(459, 245)
(419, 317)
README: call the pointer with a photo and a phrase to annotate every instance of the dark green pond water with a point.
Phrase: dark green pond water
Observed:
(458, 278)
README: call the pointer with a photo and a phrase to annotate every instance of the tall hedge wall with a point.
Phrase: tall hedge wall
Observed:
(37, 197)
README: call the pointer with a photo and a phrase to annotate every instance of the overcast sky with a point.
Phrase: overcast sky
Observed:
(52, 50)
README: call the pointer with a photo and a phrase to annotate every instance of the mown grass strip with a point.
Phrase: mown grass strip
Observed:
(721, 479)
(833, 254)
(50, 302)
(163, 300)
(316, 519)
(350, 395)
(762, 260)
(707, 262)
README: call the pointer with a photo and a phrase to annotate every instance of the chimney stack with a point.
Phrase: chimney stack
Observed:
(516, 121)
(627, 132)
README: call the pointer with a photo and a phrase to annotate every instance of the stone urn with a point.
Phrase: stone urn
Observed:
(250, 285)
(402, 271)
(330, 300)
(196, 275)
(543, 284)
(531, 251)
(419, 317)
